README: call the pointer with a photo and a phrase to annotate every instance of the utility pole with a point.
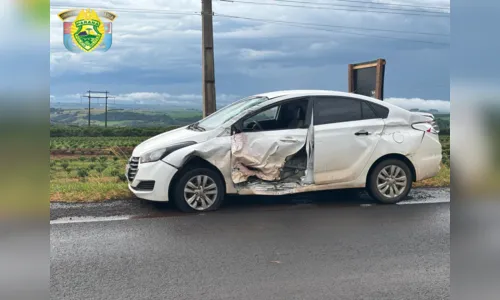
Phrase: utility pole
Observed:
(106, 111)
(208, 72)
(89, 107)
(106, 104)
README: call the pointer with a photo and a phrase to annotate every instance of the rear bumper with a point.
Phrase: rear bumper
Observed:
(159, 172)
(427, 160)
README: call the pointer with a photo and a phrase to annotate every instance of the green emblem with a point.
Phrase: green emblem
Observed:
(87, 30)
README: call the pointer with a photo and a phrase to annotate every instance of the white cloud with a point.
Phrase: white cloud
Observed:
(321, 46)
(150, 98)
(161, 53)
(251, 54)
(422, 104)
(148, 41)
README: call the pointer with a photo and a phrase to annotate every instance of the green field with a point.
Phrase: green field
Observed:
(88, 178)
(74, 143)
(76, 177)
(445, 143)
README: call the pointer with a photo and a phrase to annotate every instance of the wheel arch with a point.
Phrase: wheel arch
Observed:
(193, 161)
(397, 156)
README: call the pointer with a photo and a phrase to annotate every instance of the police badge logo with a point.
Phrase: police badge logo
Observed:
(87, 32)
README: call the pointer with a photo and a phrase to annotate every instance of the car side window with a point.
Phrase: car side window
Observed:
(329, 110)
(254, 123)
(380, 111)
(266, 115)
(288, 115)
(367, 112)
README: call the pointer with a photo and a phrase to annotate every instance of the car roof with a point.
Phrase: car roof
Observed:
(298, 93)
(280, 95)
(276, 94)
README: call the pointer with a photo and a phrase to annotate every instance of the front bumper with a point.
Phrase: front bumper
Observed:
(159, 172)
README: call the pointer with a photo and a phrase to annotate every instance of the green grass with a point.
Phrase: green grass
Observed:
(445, 143)
(442, 179)
(82, 179)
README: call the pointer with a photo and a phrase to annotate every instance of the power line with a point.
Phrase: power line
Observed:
(149, 11)
(286, 23)
(371, 9)
(337, 31)
(331, 26)
(274, 21)
(365, 2)
(359, 8)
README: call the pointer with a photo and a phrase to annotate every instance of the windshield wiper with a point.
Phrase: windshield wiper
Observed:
(195, 126)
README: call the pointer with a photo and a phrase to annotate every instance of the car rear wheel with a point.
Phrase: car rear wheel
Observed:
(200, 189)
(390, 181)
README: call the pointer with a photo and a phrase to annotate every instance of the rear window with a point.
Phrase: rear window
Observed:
(366, 111)
(381, 111)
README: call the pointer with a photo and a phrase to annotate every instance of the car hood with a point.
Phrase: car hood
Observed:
(173, 137)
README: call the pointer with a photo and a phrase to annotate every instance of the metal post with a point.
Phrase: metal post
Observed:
(208, 72)
(350, 78)
(379, 90)
(89, 107)
(106, 111)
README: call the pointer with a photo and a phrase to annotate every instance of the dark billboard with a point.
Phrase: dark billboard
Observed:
(367, 78)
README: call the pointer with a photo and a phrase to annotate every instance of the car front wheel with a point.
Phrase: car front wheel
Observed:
(200, 189)
(390, 182)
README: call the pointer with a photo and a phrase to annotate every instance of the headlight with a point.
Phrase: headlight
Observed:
(158, 154)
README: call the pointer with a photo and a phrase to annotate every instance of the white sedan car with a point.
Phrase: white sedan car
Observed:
(288, 142)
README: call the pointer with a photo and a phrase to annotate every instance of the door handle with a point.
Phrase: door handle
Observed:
(289, 140)
(362, 132)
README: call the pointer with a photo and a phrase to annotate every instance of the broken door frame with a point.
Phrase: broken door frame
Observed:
(237, 130)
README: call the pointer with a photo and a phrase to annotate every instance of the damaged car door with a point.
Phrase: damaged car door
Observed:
(346, 132)
(268, 145)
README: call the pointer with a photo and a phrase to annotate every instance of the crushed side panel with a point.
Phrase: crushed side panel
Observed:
(309, 173)
(271, 164)
(262, 156)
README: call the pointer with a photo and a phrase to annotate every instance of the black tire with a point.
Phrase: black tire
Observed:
(178, 193)
(373, 190)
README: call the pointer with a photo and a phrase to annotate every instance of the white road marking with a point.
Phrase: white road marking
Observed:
(68, 220)
(424, 201)
(408, 202)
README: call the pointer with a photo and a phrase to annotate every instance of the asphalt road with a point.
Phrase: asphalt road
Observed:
(305, 252)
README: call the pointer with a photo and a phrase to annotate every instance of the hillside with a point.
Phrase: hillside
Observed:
(149, 118)
(120, 117)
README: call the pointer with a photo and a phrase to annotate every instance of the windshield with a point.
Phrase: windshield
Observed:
(225, 114)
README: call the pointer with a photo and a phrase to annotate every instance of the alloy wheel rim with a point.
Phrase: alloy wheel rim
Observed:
(200, 192)
(391, 181)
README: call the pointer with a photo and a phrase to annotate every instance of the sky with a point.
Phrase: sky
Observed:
(156, 52)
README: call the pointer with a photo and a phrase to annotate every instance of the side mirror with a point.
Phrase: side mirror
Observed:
(236, 128)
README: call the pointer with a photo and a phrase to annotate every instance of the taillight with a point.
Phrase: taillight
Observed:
(430, 127)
